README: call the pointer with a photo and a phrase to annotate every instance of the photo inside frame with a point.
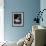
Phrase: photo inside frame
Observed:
(17, 18)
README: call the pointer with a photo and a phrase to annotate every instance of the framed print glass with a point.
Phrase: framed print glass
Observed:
(17, 19)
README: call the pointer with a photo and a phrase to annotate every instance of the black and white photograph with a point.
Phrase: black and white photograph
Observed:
(17, 19)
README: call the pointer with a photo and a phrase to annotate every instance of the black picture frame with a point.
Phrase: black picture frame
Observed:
(17, 19)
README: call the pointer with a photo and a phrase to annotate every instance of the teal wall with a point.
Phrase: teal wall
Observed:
(29, 7)
(43, 6)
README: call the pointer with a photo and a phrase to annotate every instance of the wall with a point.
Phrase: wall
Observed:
(43, 6)
(29, 7)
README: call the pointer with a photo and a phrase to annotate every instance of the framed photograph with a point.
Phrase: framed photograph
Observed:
(17, 19)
